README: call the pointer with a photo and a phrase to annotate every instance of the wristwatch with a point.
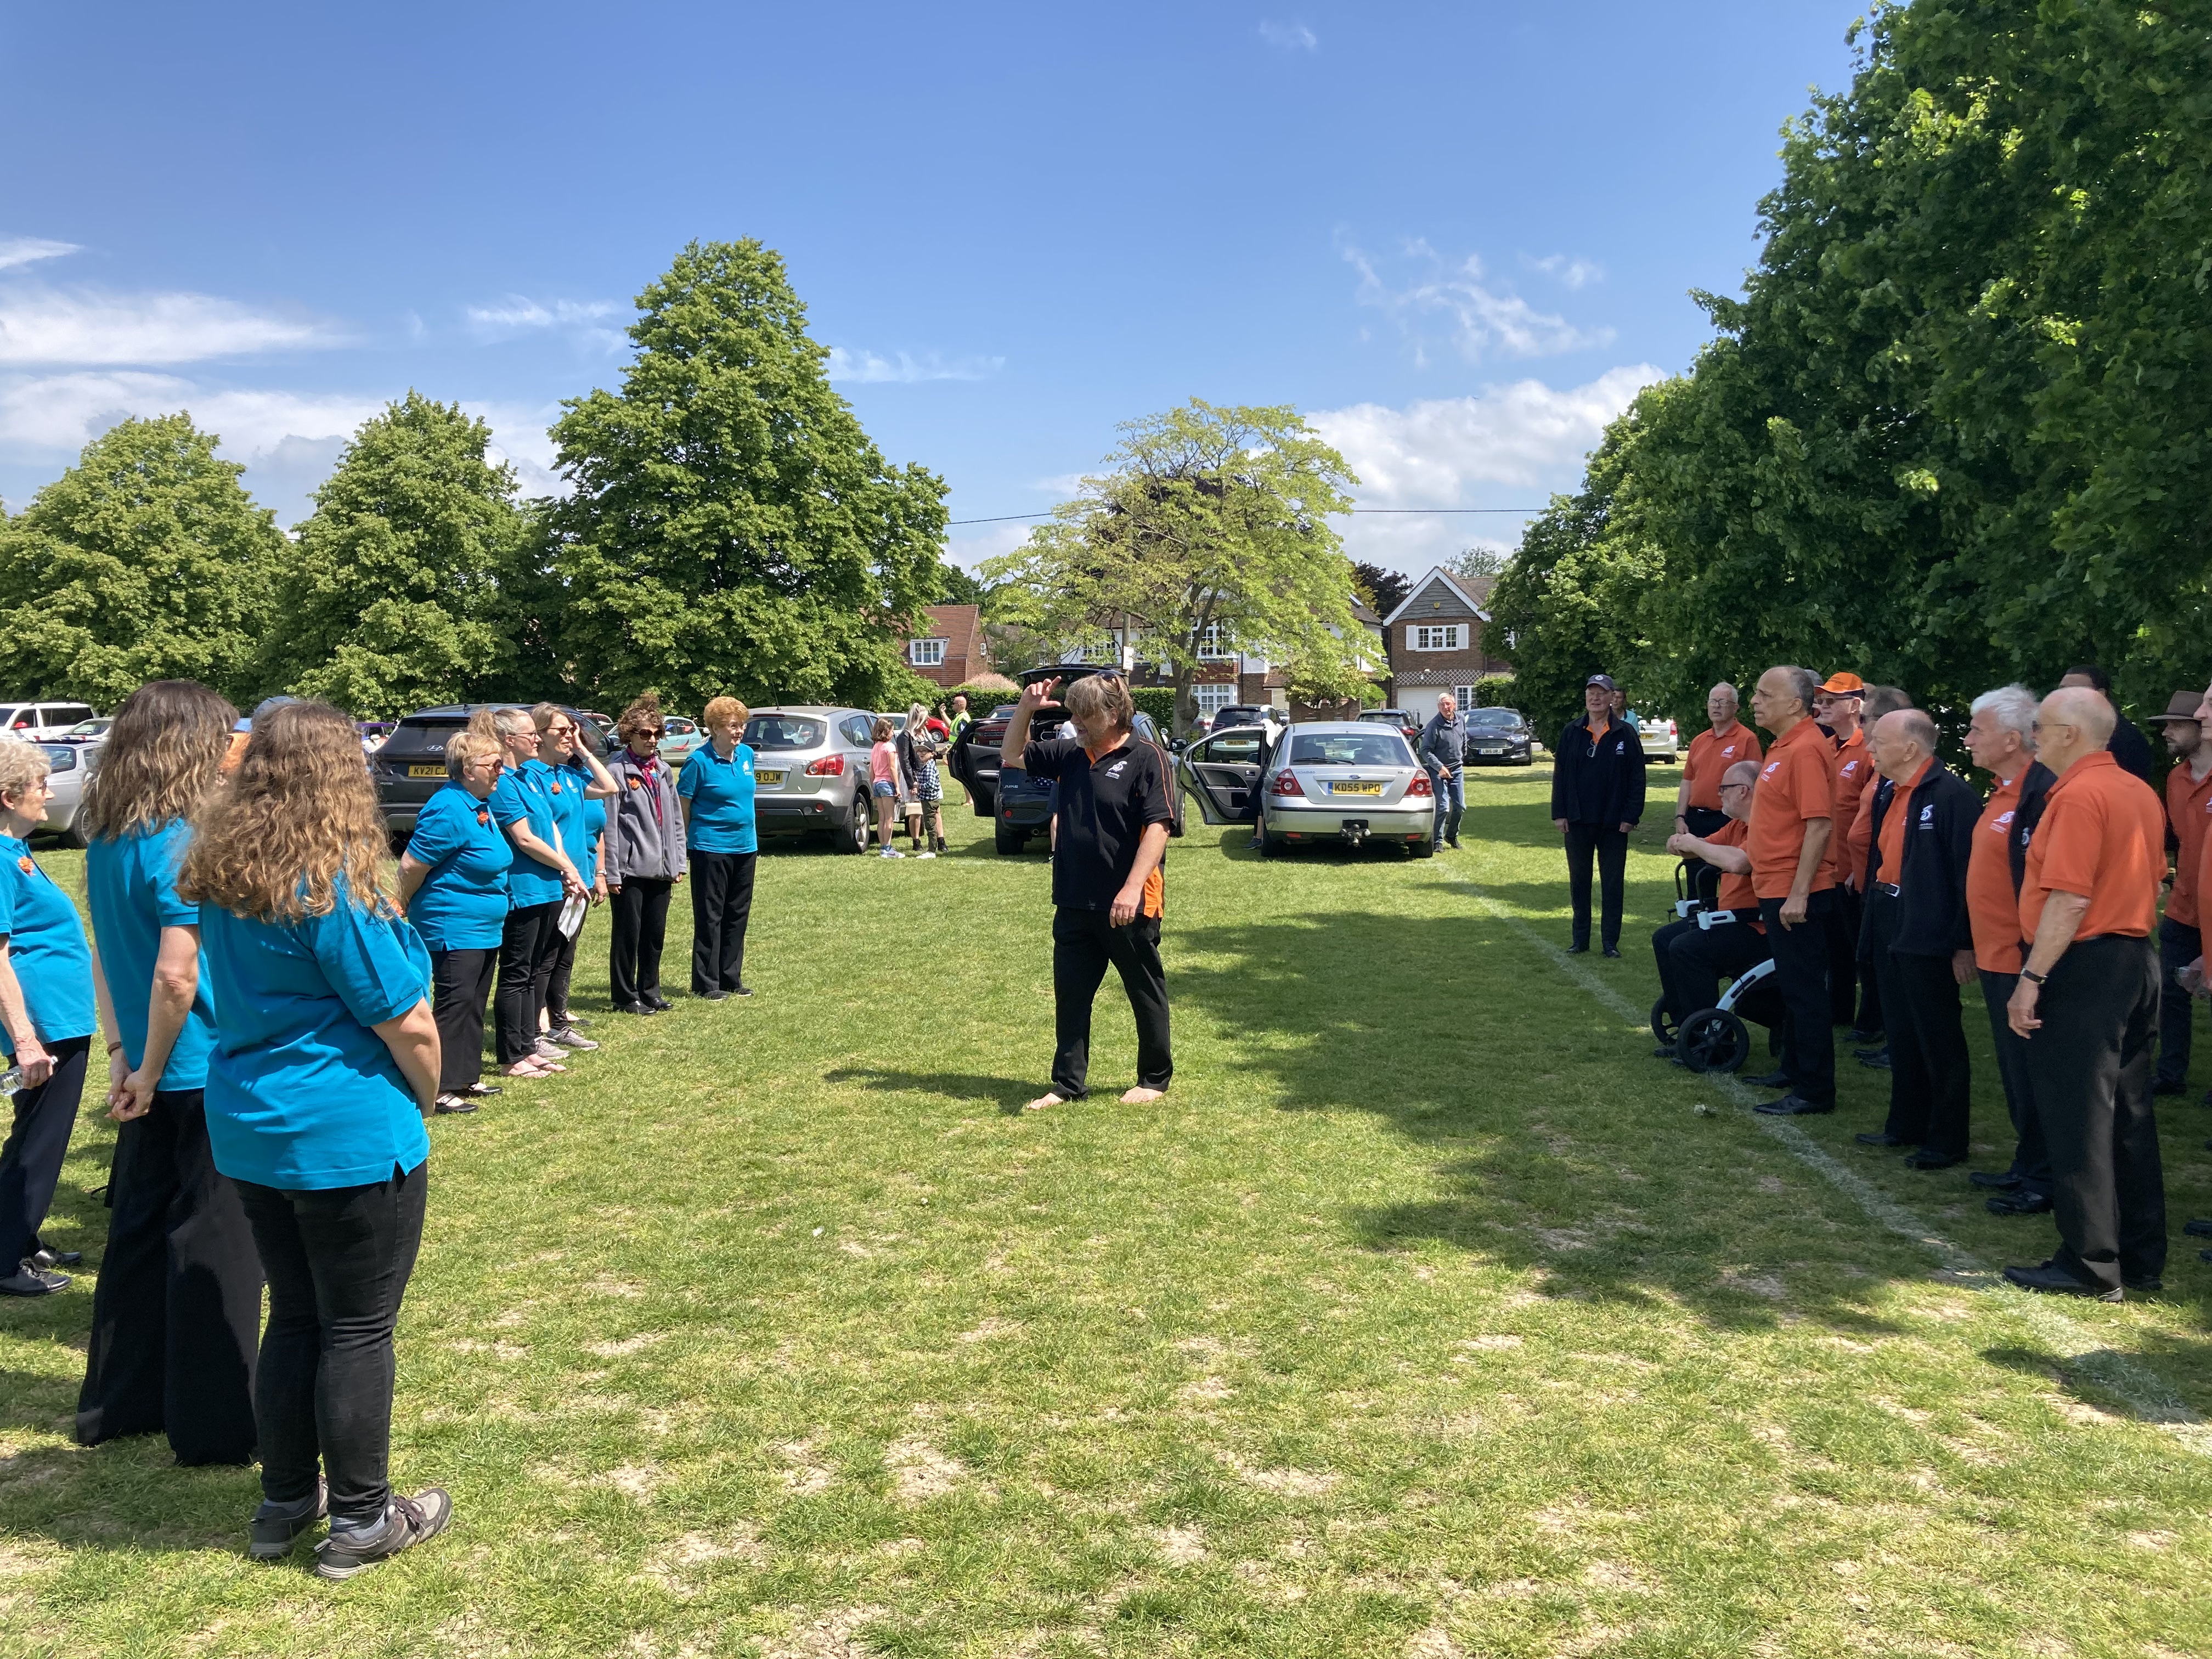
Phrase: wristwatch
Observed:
(2031, 976)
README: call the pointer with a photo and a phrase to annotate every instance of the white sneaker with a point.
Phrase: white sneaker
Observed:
(924, 855)
(891, 853)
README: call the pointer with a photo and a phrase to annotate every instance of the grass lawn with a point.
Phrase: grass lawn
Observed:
(1427, 1316)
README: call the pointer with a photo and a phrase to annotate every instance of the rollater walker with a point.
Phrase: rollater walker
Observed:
(1717, 1039)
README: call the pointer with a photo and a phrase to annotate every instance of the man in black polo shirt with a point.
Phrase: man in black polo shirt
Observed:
(1107, 887)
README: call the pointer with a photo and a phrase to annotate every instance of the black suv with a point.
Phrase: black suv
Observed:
(1020, 805)
(409, 765)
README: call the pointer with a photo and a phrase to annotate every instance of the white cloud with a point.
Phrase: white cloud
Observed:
(518, 314)
(25, 250)
(1523, 440)
(1573, 273)
(1481, 320)
(51, 326)
(1290, 37)
(908, 367)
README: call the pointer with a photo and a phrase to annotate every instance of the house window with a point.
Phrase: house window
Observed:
(926, 653)
(1449, 636)
(1209, 644)
(1464, 695)
(1212, 699)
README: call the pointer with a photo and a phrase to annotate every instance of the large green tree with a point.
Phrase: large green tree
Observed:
(1209, 533)
(397, 593)
(732, 527)
(146, 560)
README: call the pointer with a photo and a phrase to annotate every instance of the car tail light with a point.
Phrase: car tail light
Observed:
(830, 766)
(1420, 786)
(1286, 783)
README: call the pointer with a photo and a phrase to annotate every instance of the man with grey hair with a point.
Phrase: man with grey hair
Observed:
(1918, 940)
(1792, 876)
(1443, 751)
(2000, 740)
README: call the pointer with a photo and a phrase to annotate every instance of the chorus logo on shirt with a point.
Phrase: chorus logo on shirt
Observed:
(1727, 751)
(1850, 767)
(1772, 766)
(2000, 824)
(1114, 770)
(1928, 817)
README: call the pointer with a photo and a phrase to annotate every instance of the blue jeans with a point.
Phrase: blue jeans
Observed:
(1451, 801)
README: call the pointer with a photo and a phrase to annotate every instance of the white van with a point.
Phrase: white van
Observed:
(37, 721)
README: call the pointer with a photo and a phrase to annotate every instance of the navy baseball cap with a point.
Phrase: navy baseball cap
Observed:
(1605, 680)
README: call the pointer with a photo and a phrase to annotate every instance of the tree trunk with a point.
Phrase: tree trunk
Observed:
(1186, 706)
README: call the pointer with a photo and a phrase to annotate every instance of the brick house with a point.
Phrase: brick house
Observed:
(1435, 639)
(951, 650)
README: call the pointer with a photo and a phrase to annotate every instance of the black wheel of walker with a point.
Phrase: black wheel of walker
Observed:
(1662, 1023)
(1714, 1039)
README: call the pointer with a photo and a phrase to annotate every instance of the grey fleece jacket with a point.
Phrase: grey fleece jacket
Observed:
(640, 842)
(1444, 743)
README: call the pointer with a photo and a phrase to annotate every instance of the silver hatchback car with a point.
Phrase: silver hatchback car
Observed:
(1319, 780)
(811, 773)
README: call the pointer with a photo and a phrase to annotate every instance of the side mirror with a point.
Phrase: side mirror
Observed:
(1178, 745)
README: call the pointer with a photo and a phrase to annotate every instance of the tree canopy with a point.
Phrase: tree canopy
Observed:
(732, 528)
(146, 560)
(1955, 431)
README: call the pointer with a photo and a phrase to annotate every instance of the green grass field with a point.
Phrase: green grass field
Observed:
(1426, 1317)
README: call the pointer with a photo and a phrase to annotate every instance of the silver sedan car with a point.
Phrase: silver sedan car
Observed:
(811, 773)
(1339, 781)
(68, 766)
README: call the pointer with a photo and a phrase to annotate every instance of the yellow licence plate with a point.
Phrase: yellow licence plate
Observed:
(426, 771)
(1355, 789)
(770, 780)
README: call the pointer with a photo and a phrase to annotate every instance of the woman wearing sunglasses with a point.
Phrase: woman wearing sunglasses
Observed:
(645, 857)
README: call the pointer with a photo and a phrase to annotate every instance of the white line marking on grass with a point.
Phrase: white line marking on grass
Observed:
(2141, 1390)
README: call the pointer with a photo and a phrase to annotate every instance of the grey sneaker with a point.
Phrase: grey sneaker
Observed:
(567, 1036)
(275, 1529)
(549, 1049)
(407, 1521)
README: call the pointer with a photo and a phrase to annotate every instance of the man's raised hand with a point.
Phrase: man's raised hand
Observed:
(1035, 696)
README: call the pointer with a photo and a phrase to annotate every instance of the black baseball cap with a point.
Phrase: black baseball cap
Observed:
(1605, 680)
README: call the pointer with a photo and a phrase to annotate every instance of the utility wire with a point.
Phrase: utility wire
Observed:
(1010, 518)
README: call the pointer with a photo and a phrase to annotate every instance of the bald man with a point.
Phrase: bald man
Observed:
(1917, 938)
(2086, 1005)
(1724, 743)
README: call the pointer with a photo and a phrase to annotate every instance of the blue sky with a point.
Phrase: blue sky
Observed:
(1457, 237)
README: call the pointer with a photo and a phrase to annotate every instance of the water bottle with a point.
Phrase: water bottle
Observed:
(11, 1080)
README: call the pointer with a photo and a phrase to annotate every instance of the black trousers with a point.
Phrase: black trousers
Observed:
(460, 985)
(2177, 946)
(1800, 979)
(38, 1139)
(640, 919)
(1609, 845)
(2031, 1163)
(721, 905)
(531, 931)
(2090, 1068)
(559, 971)
(1844, 925)
(177, 1307)
(1083, 943)
(1697, 960)
(1931, 1083)
(337, 1260)
(1704, 880)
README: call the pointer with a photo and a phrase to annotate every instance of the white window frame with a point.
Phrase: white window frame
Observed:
(1213, 695)
(1209, 644)
(1464, 695)
(1436, 636)
(926, 653)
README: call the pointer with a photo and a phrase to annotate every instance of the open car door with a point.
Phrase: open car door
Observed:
(1222, 772)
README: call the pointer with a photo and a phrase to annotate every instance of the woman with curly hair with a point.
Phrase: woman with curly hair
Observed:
(177, 1307)
(716, 785)
(645, 858)
(325, 1067)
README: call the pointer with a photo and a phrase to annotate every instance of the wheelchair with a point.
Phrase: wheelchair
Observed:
(1717, 1039)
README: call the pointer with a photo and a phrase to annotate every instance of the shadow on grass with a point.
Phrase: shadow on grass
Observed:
(1007, 1095)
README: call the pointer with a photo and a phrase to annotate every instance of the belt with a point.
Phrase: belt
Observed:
(1888, 889)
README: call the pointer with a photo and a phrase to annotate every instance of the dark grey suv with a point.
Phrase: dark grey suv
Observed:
(409, 765)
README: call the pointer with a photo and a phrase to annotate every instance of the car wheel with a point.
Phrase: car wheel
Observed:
(1424, 849)
(1010, 839)
(852, 836)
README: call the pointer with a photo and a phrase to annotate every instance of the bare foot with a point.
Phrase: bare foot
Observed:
(1043, 1101)
(1142, 1096)
(527, 1068)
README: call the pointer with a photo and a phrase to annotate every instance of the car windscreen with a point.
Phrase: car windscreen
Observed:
(1492, 718)
(785, 731)
(1349, 748)
(423, 734)
(60, 757)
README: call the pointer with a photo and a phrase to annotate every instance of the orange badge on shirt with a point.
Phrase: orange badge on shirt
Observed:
(25, 865)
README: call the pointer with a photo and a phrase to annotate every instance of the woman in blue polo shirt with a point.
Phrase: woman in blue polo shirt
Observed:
(176, 1314)
(575, 776)
(717, 791)
(453, 887)
(325, 1067)
(46, 1023)
(540, 879)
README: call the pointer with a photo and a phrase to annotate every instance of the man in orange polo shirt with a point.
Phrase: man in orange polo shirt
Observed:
(1836, 707)
(2087, 1003)
(1856, 835)
(2001, 740)
(1698, 809)
(1792, 819)
(1695, 957)
(2188, 791)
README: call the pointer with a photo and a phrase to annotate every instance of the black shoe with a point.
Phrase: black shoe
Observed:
(450, 1105)
(573, 1019)
(1613, 952)
(2204, 1255)
(741, 990)
(1870, 1039)
(407, 1521)
(1665, 1051)
(1451, 840)
(1875, 1052)
(2163, 1087)
(1793, 1106)
(273, 1531)
(1880, 1137)
(47, 1257)
(639, 1008)
(2051, 1279)
(2004, 1180)
(2198, 1229)
(30, 1279)
(1925, 1160)
(1578, 949)
(2019, 1202)
(2144, 1284)
(658, 1003)
(717, 995)
(1769, 1080)
(1877, 1062)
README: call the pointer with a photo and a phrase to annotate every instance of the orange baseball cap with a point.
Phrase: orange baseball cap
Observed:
(1845, 685)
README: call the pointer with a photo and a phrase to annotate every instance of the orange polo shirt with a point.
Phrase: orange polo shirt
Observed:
(2102, 837)
(1796, 785)
(1892, 868)
(1855, 773)
(2187, 800)
(1735, 892)
(1709, 758)
(1858, 841)
(1992, 910)
(2204, 881)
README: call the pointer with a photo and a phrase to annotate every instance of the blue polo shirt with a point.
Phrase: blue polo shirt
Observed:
(595, 821)
(566, 791)
(722, 796)
(130, 881)
(47, 948)
(462, 903)
(301, 1093)
(521, 797)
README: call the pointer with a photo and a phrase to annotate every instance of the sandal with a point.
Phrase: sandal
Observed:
(528, 1068)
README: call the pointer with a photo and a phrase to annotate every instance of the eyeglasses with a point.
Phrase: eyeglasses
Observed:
(1727, 786)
